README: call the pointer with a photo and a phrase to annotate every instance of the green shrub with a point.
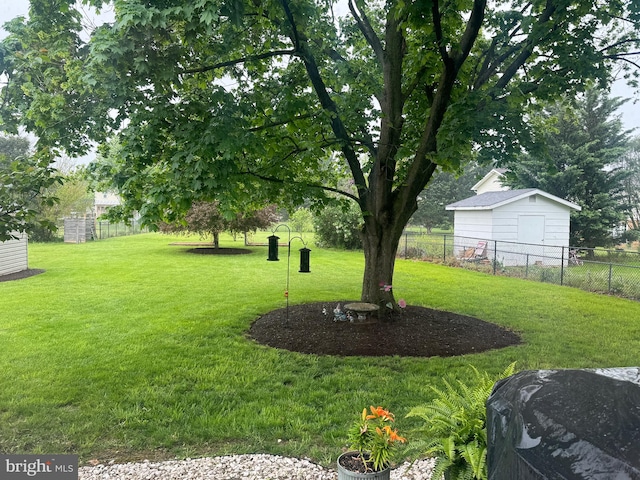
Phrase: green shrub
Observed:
(339, 227)
(455, 429)
(550, 275)
(411, 252)
(41, 233)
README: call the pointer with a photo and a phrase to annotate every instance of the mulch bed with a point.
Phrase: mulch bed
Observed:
(416, 332)
(20, 275)
(219, 251)
(208, 249)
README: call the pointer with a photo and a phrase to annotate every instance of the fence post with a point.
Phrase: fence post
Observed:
(610, 273)
(406, 236)
(526, 270)
(495, 256)
(444, 248)
(562, 267)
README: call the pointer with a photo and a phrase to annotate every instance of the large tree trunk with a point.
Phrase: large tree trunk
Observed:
(379, 262)
(380, 238)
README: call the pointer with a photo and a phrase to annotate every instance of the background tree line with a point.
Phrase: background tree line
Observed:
(585, 156)
(588, 158)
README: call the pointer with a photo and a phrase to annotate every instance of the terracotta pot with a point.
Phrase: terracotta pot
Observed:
(345, 474)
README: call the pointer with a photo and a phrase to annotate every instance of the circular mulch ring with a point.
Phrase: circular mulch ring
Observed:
(219, 251)
(20, 275)
(416, 332)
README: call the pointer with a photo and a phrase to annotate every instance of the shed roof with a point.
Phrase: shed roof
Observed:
(491, 200)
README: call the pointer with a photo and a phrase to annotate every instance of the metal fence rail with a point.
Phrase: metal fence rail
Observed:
(615, 272)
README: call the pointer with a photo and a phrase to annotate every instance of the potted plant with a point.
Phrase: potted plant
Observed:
(373, 442)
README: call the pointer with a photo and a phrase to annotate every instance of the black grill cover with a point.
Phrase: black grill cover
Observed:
(565, 424)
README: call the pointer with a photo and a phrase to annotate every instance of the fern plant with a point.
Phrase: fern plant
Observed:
(455, 430)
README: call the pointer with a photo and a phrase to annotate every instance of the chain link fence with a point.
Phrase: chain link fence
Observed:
(106, 229)
(614, 272)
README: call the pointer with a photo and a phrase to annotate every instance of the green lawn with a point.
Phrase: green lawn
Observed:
(130, 348)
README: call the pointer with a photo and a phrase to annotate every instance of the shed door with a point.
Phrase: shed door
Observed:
(531, 229)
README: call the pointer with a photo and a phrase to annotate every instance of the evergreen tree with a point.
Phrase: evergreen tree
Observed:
(631, 164)
(584, 143)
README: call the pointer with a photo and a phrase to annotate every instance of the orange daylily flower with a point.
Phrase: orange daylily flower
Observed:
(394, 437)
(379, 412)
(392, 434)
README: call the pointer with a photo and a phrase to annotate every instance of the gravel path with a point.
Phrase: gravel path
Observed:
(237, 467)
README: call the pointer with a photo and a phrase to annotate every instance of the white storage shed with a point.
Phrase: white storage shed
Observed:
(526, 226)
(14, 255)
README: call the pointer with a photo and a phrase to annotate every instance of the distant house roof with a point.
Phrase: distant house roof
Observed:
(491, 181)
(108, 199)
(491, 200)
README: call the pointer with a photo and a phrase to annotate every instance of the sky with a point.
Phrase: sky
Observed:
(630, 112)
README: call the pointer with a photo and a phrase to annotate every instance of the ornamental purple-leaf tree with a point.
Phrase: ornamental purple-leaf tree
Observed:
(244, 101)
(207, 219)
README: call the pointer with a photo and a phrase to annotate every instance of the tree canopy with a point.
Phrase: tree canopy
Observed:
(238, 100)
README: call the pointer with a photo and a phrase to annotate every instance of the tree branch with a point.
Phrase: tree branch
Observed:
(621, 42)
(367, 30)
(490, 65)
(437, 27)
(622, 54)
(471, 31)
(327, 104)
(280, 123)
(307, 185)
(635, 64)
(527, 49)
(334, 55)
(414, 83)
(237, 61)
(422, 167)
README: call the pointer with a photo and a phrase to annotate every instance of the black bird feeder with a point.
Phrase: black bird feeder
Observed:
(304, 260)
(273, 248)
(273, 257)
